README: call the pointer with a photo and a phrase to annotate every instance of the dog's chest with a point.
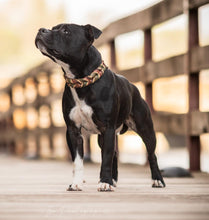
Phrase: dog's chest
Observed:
(81, 115)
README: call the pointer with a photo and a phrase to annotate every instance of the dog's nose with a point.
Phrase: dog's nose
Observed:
(43, 30)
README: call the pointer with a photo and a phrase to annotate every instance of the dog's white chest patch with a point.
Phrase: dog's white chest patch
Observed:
(81, 114)
(65, 67)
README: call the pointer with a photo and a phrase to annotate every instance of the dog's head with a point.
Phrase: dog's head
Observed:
(66, 42)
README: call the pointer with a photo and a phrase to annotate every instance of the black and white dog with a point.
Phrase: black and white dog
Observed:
(96, 101)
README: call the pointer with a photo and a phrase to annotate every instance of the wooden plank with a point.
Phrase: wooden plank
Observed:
(197, 3)
(12, 133)
(153, 70)
(142, 20)
(169, 67)
(37, 190)
(169, 123)
(199, 58)
(199, 122)
(164, 122)
(134, 74)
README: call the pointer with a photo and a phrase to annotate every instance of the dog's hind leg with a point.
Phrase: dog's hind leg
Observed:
(75, 144)
(144, 127)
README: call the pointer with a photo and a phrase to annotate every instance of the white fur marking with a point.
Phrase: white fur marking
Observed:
(81, 114)
(118, 130)
(65, 66)
(105, 187)
(77, 173)
(42, 48)
(157, 183)
(114, 183)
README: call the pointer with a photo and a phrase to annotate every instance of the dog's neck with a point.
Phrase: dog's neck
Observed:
(94, 59)
(84, 67)
(88, 80)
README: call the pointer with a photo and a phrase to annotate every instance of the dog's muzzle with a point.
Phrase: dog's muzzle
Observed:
(42, 34)
(43, 31)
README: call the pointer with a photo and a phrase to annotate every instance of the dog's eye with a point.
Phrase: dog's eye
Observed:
(65, 31)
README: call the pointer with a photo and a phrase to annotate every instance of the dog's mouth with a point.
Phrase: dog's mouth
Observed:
(43, 47)
(39, 42)
(55, 52)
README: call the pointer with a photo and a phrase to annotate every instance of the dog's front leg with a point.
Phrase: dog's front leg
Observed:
(108, 148)
(75, 144)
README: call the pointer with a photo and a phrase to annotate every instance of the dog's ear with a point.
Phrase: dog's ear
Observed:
(92, 32)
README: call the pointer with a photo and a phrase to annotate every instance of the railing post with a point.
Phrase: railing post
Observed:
(11, 145)
(87, 145)
(148, 57)
(113, 66)
(193, 142)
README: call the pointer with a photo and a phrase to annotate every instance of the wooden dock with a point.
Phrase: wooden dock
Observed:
(36, 190)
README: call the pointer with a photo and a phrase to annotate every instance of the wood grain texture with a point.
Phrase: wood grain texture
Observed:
(37, 190)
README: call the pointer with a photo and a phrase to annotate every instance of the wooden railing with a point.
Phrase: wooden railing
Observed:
(192, 124)
(16, 140)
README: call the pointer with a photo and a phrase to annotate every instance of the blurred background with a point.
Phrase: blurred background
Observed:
(20, 21)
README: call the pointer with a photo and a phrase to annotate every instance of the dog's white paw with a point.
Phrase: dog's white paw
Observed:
(105, 187)
(75, 187)
(157, 184)
(114, 183)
